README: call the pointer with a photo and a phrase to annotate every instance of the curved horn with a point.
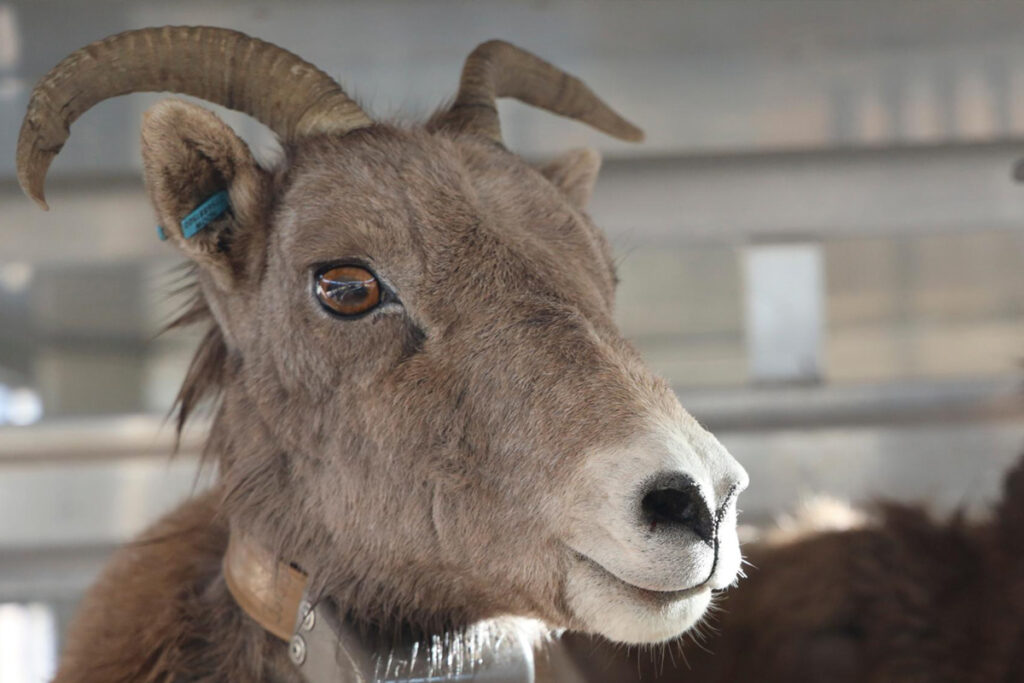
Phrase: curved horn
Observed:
(287, 94)
(499, 69)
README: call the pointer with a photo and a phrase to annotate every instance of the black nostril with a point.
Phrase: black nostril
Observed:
(674, 500)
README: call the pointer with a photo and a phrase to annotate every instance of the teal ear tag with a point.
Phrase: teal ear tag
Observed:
(210, 210)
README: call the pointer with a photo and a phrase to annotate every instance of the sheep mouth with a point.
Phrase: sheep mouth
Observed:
(646, 595)
(603, 603)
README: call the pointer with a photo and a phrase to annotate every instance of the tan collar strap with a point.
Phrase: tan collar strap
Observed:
(326, 648)
(267, 590)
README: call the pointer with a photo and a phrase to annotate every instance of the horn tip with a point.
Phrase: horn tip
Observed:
(622, 129)
(35, 192)
(32, 164)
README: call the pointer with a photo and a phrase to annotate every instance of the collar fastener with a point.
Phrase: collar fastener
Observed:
(326, 647)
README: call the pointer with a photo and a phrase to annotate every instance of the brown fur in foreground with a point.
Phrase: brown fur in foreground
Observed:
(161, 612)
(904, 600)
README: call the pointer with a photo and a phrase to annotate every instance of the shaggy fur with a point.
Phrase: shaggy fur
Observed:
(905, 599)
(161, 612)
(420, 462)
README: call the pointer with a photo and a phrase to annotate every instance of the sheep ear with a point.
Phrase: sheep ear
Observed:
(208, 191)
(575, 173)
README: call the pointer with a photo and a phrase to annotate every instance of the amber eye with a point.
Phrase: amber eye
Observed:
(347, 290)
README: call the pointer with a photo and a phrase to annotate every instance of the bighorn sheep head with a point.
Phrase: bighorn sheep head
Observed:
(425, 401)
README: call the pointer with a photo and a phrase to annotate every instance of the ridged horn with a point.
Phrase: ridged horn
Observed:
(276, 87)
(499, 69)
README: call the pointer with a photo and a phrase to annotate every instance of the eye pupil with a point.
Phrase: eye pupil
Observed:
(347, 290)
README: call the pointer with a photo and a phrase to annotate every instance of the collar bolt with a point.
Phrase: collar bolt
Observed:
(297, 650)
(309, 618)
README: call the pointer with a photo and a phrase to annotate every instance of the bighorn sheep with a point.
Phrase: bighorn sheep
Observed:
(426, 416)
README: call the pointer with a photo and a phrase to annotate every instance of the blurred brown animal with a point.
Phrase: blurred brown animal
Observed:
(424, 402)
(906, 599)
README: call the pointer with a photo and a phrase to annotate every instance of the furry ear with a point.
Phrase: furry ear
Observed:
(189, 155)
(575, 173)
